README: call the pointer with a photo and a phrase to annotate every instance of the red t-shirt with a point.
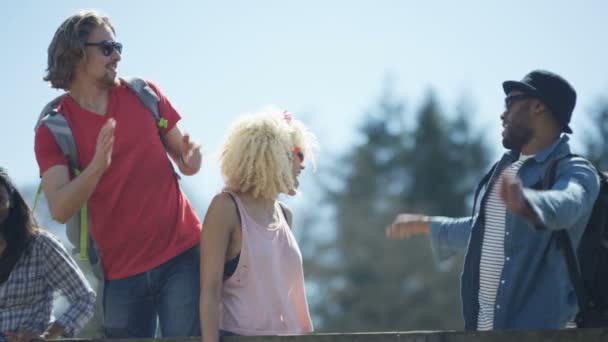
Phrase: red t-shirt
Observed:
(139, 216)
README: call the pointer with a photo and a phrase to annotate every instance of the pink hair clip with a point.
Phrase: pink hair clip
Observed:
(287, 116)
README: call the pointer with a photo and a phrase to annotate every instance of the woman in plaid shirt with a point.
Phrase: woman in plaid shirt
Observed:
(33, 267)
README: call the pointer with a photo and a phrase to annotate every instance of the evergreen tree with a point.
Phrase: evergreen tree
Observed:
(375, 284)
(597, 141)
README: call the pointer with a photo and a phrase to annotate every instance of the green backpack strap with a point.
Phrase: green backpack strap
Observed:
(150, 99)
(77, 227)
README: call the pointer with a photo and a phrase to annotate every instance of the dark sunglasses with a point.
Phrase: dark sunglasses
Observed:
(511, 99)
(298, 151)
(107, 47)
(300, 156)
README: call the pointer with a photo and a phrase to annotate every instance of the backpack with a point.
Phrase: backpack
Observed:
(77, 227)
(588, 275)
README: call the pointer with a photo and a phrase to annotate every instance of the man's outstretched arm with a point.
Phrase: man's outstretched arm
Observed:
(449, 236)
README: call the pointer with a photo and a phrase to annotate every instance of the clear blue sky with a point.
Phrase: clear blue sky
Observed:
(326, 61)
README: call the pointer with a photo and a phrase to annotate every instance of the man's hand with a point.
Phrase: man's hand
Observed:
(407, 225)
(512, 194)
(184, 151)
(190, 152)
(105, 142)
(190, 157)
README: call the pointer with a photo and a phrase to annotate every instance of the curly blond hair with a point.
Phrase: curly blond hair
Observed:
(256, 155)
(67, 47)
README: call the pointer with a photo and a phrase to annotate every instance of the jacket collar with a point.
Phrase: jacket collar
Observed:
(559, 147)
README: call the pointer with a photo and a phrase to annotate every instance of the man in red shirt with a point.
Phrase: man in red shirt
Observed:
(144, 226)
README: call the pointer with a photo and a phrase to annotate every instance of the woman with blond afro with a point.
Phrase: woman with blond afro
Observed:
(252, 280)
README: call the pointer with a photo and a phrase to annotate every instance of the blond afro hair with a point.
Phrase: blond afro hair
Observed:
(256, 155)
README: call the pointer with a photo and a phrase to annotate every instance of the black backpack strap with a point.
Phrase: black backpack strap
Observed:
(284, 211)
(565, 243)
(484, 181)
(236, 205)
(574, 273)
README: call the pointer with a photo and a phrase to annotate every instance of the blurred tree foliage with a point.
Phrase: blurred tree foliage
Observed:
(366, 282)
(596, 139)
(422, 161)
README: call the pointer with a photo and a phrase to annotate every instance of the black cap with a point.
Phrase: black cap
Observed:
(552, 89)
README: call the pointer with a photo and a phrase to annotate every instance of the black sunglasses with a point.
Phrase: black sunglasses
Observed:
(300, 156)
(107, 47)
(511, 99)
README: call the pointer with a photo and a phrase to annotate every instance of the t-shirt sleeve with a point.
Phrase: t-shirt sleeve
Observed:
(167, 111)
(48, 153)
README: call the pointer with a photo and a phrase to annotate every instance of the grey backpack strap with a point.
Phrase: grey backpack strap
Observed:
(61, 131)
(150, 99)
(77, 225)
(50, 107)
(141, 88)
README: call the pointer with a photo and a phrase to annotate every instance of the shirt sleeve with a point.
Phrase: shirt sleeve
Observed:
(570, 198)
(63, 275)
(450, 236)
(166, 109)
(48, 153)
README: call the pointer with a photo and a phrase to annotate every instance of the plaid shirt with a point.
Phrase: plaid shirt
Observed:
(26, 298)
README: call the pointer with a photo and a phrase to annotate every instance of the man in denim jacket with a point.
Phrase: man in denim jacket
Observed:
(514, 275)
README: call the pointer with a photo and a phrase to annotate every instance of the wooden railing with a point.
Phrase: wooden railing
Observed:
(565, 335)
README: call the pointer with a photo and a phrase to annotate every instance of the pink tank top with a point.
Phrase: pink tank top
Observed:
(266, 295)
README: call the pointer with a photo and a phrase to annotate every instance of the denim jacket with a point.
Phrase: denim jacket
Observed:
(536, 293)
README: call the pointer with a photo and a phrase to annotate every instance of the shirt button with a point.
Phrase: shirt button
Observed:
(507, 233)
(498, 306)
(502, 281)
(507, 258)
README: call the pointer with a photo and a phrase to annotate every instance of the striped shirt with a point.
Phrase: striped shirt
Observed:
(26, 297)
(492, 250)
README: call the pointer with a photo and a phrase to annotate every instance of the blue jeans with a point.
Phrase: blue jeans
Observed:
(168, 294)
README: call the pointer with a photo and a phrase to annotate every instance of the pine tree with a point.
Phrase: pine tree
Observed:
(374, 284)
(597, 141)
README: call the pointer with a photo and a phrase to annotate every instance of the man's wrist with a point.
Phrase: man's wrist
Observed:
(530, 214)
(193, 163)
(97, 170)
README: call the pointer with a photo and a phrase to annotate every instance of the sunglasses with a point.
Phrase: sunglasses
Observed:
(511, 99)
(298, 151)
(107, 47)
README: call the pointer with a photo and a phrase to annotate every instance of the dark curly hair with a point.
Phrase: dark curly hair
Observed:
(18, 229)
